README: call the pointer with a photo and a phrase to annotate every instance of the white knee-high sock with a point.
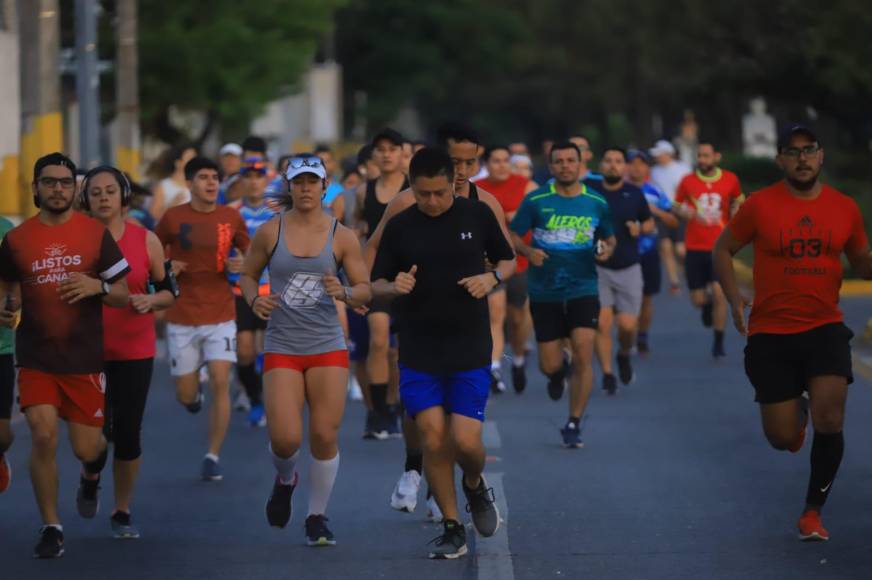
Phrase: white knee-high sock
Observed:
(322, 476)
(285, 467)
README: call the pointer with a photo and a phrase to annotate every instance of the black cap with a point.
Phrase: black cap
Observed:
(391, 135)
(790, 131)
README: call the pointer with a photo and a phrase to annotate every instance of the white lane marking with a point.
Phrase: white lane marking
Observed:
(490, 436)
(492, 555)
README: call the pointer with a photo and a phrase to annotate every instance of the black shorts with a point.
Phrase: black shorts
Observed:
(7, 385)
(699, 269)
(246, 319)
(556, 320)
(651, 274)
(779, 366)
(380, 305)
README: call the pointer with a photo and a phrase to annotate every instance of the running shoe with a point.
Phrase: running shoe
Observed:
(434, 514)
(278, 506)
(451, 544)
(122, 526)
(210, 470)
(405, 496)
(485, 515)
(625, 370)
(374, 428)
(87, 497)
(51, 543)
(317, 532)
(718, 349)
(610, 384)
(241, 402)
(194, 407)
(707, 313)
(800, 438)
(557, 383)
(571, 434)
(519, 377)
(354, 392)
(393, 424)
(811, 529)
(642, 346)
(498, 386)
(257, 416)
(5, 473)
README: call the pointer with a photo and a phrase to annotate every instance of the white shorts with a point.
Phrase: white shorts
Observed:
(191, 346)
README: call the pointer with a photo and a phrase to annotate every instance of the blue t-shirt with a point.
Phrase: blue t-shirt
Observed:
(655, 197)
(567, 229)
(627, 204)
(254, 217)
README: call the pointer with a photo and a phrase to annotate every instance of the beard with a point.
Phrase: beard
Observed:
(612, 179)
(804, 184)
(57, 210)
(565, 183)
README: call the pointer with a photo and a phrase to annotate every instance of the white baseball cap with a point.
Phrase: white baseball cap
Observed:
(662, 147)
(300, 164)
(230, 149)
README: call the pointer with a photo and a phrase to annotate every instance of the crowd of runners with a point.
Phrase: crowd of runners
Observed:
(406, 282)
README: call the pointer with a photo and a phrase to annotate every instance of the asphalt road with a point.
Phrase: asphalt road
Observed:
(675, 481)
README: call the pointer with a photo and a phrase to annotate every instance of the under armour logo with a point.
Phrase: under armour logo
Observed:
(466, 236)
(184, 239)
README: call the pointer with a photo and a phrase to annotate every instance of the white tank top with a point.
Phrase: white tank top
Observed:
(174, 194)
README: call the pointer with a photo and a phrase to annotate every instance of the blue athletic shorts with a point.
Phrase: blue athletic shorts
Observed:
(462, 393)
(358, 329)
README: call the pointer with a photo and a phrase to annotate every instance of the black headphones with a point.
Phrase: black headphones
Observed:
(119, 177)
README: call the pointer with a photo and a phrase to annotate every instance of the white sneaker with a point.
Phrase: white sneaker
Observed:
(434, 514)
(354, 392)
(241, 403)
(405, 496)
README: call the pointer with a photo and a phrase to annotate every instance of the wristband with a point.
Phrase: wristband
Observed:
(253, 300)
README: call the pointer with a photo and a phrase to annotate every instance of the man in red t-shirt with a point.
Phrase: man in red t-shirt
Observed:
(67, 266)
(510, 298)
(201, 329)
(797, 342)
(707, 198)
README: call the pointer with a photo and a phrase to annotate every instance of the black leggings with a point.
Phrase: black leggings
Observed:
(127, 383)
(7, 385)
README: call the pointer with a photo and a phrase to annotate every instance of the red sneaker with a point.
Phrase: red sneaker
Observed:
(5, 473)
(811, 529)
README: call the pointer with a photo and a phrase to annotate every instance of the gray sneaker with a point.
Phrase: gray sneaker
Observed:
(122, 527)
(485, 516)
(87, 498)
(451, 544)
(210, 470)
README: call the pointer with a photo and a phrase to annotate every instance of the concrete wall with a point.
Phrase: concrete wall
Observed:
(10, 123)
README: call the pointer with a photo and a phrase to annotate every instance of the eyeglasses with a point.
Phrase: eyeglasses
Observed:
(51, 182)
(795, 152)
(298, 162)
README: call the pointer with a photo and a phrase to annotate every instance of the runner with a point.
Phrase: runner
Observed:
(230, 159)
(173, 190)
(583, 144)
(509, 189)
(67, 265)
(128, 340)
(444, 336)
(567, 219)
(706, 199)
(249, 328)
(334, 185)
(462, 145)
(638, 169)
(202, 323)
(372, 199)
(666, 174)
(522, 165)
(7, 375)
(620, 277)
(306, 355)
(797, 342)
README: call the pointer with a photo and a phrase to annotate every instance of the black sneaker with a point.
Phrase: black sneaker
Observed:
(571, 434)
(485, 515)
(194, 408)
(394, 425)
(498, 386)
(557, 382)
(642, 347)
(368, 432)
(707, 312)
(625, 370)
(317, 533)
(519, 377)
(87, 499)
(278, 506)
(610, 384)
(51, 543)
(451, 544)
(122, 526)
(718, 350)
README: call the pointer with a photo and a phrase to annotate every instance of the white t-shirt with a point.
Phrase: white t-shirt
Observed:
(174, 194)
(667, 177)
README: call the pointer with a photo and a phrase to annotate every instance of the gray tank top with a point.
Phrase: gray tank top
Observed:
(306, 321)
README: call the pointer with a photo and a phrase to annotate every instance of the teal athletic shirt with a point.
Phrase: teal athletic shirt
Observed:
(567, 229)
(6, 334)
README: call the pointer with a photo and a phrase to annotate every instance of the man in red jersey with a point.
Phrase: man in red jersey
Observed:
(509, 298)
(707, 198)
(67, 266)
(797, 342)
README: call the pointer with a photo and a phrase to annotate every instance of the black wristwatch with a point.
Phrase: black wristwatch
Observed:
(104, 288)
(497, 276)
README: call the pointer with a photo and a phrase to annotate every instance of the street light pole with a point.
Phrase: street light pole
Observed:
(127, 89)
(87, 83)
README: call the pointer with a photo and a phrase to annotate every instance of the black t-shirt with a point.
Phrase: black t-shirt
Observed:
(442, 328)
(625, 204)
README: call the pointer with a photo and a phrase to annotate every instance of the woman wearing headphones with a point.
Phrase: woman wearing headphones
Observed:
(128, 341)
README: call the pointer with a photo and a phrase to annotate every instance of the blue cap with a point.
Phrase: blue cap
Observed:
(791, 130)
(638, 154)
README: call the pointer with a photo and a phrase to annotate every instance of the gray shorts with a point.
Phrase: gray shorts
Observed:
(621, 289)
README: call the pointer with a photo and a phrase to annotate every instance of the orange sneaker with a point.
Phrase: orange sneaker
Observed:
(5, 473)
(800, 440)
(811, 529)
